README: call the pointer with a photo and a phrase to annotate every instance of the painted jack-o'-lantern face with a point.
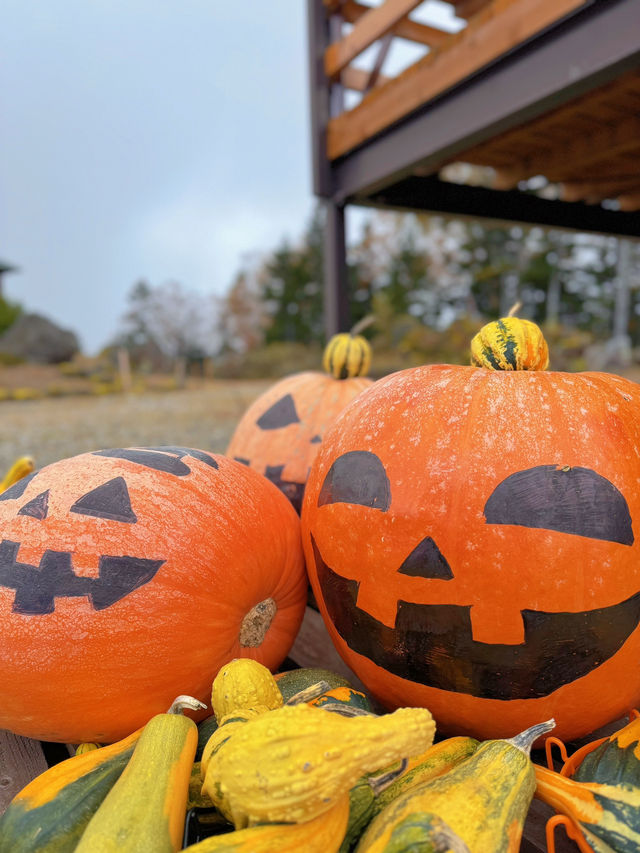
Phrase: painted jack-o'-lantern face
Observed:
(128, 577)
(471, 541)
(281, 431)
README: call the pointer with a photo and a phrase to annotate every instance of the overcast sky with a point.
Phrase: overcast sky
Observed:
(145, 138)
(149, 139)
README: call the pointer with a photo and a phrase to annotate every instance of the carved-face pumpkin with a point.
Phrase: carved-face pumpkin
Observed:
(128, 577)
(471, 539)
(281, 431)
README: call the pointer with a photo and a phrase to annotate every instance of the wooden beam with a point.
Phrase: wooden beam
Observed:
(629, 201)
(373, 25)
(585, 151)
(352, 11)
(492, 32)
(357, 79)
(383, 50)
(459, 200)
(467, 8)
(597, 191)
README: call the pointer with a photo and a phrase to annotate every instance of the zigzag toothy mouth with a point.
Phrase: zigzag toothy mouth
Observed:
(37, 587)
(432, 644)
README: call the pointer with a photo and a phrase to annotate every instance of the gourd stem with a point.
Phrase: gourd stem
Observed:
(514, 308)
(524, 741)
(362, 324)
(309, 693)
(185, 703)
(346, 710)
(379, 783)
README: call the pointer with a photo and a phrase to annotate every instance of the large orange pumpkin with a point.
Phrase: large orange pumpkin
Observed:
(128, 577)
(281, 431)
(471, 538)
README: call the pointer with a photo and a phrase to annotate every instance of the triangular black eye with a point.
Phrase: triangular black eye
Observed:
(111, 500)
(426, 561)
(18, 489)
(38, 507)
(281, 414)
(357, 477)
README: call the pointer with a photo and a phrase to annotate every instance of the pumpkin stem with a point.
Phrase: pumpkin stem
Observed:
(185, 703)
(514, 309)
(256, 623)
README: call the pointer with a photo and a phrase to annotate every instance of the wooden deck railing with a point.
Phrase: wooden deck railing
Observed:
(493, 28)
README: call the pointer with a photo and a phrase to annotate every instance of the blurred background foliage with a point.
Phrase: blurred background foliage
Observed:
(429, 282)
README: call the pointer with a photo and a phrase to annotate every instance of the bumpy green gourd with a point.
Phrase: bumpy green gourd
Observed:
(243, 683)
(482, 802)
(293, 763)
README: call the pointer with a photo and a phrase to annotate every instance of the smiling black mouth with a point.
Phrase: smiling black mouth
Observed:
(432, 644)
(38, 587)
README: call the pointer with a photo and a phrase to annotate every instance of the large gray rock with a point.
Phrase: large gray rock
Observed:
(34, 338)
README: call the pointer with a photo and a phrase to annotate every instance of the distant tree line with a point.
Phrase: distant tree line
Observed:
(419, 275)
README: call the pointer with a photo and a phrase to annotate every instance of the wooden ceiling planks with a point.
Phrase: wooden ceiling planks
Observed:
(591, 146)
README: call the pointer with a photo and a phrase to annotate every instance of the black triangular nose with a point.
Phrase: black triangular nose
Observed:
(426, 561)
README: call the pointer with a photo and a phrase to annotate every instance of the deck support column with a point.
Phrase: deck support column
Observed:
(337, 316)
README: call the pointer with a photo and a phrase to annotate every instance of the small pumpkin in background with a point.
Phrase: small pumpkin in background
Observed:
(471, 539)
(511, 343)
(281, 431)
(129, 575)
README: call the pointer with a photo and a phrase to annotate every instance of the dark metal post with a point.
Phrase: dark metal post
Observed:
(337, 316)
(319, 95)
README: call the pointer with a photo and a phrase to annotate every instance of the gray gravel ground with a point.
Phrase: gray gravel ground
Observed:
(55, 428)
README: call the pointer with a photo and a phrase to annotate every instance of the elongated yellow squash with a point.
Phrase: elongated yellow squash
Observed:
(323, 834)
(50, 814)
(438, 759)
(293, 763)
(145, 810)
(21, 467)
(372, 793)
(478, 807)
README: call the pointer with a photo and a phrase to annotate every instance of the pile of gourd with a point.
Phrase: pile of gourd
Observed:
(296, 763)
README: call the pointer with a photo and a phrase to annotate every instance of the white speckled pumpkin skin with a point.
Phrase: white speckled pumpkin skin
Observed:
(495, 576)
(125, 577)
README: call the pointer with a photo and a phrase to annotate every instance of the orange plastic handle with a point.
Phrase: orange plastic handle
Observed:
(571, 763)
(572, 830)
